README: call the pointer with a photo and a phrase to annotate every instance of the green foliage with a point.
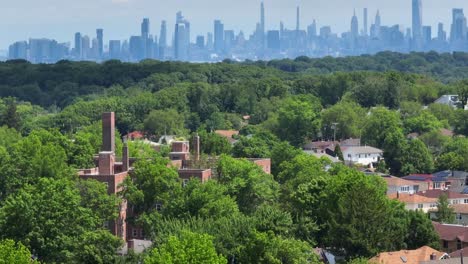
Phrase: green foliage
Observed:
(425, 122)
(371, 225)
(420, 231)
(164, 122)
(379, 124)
(445, 213)
(247, 183)
(349, 119)
(49, 219)
(213, 144)
(14, 253)
(299, 119)
(188, 248)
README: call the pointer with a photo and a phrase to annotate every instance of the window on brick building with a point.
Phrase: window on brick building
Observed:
(445, 242)
(465, 201)
(134, 232)
(459, 244)
(185, 182)
(142, 233)
(158, 207)
(420, 206)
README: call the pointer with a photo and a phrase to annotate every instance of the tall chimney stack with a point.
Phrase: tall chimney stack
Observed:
(125, 157)
(197, 147)
(108, 132)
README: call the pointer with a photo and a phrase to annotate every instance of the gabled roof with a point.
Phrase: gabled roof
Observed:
(457, 254)
(437, 193)
(451, 232)
(411, 198)
(407, 256)
(395, 181)
(361, 150)
(460, 209)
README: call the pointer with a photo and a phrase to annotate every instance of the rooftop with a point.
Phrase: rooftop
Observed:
(407, 256)
(411, 198)
(451, 232)
(437, 193)
(395, 181)
(362, 150)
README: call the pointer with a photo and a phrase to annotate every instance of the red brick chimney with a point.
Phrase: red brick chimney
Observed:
(106, 163)
(108, 132)
(125, 157)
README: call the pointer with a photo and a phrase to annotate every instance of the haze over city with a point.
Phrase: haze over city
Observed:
(120, 18)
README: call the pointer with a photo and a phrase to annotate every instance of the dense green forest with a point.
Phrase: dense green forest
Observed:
(51, 126)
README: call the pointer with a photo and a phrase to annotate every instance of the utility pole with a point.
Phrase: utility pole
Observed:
(334, 127)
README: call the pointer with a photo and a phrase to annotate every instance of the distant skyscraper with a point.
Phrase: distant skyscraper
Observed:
(273, 39)
(78, 45)
(180, 47)
(354, 26)
(18, 50)
(459, 30)
(163, 40)
(298, 18)
(200, 42)
(114, 49)
(417, 20)
(145, 28)
(209, 41)
(181, 38)
(441, 34)
(85, 47)
(218, 36)
(312, 30)
(427, 34)
(365, 23)
(377, 25)
(229, 38)
(262, 17)
(100, 42)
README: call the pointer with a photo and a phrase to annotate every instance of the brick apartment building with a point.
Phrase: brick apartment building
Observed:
(112, 173)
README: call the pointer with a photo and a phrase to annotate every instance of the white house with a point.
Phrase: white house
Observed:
(450, 99)
(364, 155)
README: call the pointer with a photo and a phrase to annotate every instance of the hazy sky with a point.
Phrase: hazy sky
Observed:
(59, 19)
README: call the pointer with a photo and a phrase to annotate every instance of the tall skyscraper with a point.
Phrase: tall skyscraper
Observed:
(78, 46)
(377, 25)
(114, 49)
(200, 42)
(145, 28)
(85, 47)
(180, 47)
(417, 20)
(163, 40)
(218, 36)
(427, 34)
(459, 30)
(354, 26)
(262, 17)
(100, 42)
(365, 32)
(181, 38)
(441, 34)
(298, 18)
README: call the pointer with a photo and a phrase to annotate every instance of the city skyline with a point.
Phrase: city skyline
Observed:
(55, 19)
(265, 43)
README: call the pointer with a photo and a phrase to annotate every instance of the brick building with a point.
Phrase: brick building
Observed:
(111, 172)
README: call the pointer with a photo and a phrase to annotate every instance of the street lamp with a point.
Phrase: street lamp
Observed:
(334, 127)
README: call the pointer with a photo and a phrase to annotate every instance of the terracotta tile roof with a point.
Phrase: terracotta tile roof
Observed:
(135, 135)
(227, 133)
(446, 132)
(438, 193)
(460, 209)
(395, 181)
(451, 232)
(411, 198)
(407, 256)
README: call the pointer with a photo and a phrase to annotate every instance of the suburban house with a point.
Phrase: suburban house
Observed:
(452, 237)
(364, 155)
(322, 155)
(446, 261)
(416, 256)
(320, 146)
(415, 201)
(432, 182)
(452, 100)
(395, 185)
(453, 197)
(460, 211)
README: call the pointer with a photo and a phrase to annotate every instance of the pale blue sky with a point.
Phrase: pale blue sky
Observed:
(59, 19)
